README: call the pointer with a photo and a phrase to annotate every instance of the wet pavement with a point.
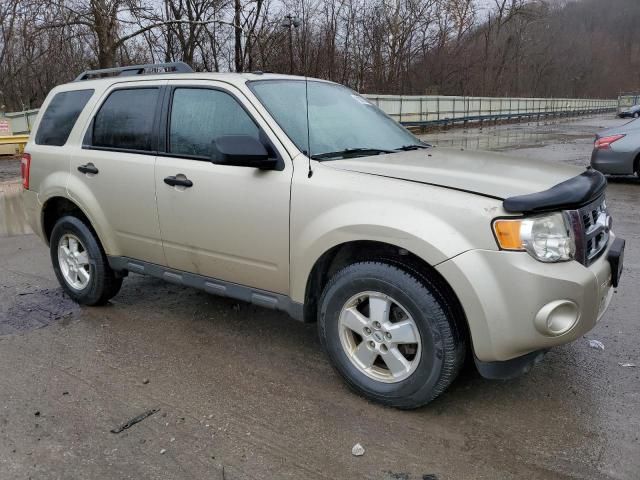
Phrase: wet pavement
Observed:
(9, 168)
(245, 392)
(12, 215)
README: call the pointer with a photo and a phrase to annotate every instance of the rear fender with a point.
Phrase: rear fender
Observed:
(83, 197)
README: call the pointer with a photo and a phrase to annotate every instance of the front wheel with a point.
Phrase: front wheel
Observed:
(80, 263)
(391, 334)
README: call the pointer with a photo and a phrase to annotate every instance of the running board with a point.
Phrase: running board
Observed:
(262, 298)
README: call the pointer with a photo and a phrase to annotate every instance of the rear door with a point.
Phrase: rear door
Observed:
(233, 222)
(113, 170)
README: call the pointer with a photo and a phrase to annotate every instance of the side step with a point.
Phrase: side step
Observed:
(262, 298)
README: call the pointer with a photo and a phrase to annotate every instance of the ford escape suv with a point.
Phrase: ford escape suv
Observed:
(299, 195)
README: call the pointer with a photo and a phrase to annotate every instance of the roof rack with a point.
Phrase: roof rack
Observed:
(150, 68)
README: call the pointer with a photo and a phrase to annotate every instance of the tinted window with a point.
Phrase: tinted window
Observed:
(60, 117)
(199, 116)
(125, 120)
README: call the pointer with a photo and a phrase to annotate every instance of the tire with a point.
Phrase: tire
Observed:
(99, 283)
(432, 362)
(636, 115)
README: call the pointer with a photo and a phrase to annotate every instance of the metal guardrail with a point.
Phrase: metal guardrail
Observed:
(19, 140)
(14, 140)
(425, 110)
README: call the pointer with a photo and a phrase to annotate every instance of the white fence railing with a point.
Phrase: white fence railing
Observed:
(429, 109)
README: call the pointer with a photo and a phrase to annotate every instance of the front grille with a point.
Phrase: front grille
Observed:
(591, 225)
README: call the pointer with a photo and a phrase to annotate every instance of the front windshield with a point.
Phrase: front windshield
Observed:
(341, 122)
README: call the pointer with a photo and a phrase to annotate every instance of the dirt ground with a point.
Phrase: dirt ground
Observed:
(245, 392)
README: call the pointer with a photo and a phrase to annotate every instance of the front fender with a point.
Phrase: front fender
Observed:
(425, 228)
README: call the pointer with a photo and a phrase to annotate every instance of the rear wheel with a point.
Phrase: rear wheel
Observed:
(80, 263)
(390, 334)
(636, 114)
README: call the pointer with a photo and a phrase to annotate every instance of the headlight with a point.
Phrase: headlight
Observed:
(547, 238)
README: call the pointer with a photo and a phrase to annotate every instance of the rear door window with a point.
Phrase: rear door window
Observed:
(125, 120)
(60, 117)
(200, 115)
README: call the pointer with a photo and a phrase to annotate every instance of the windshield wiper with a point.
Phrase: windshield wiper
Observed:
(349, 152)
(414, 146)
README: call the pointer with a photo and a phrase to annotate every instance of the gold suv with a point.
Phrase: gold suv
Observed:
(299, 195)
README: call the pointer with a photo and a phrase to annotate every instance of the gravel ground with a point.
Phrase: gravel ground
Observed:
(245, 392)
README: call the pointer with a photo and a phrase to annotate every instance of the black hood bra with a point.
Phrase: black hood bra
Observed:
(570, 194)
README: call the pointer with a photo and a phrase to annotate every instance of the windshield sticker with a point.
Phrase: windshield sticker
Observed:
(360, 99)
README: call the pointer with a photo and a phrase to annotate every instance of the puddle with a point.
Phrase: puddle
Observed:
(35, 309)
(500, 139)
(12, 215)
(509, 137)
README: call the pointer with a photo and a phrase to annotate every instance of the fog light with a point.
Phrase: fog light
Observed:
(557, 317)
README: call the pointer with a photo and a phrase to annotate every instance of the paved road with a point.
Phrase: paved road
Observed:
(248, 391)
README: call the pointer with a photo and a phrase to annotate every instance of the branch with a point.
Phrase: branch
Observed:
(65, 24)
(121, 40)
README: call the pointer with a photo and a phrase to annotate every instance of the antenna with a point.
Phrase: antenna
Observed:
(290, 22)
(306, 93)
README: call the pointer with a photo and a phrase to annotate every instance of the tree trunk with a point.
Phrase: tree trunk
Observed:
(238, 36)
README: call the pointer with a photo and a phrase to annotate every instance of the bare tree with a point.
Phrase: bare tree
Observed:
(515, 47)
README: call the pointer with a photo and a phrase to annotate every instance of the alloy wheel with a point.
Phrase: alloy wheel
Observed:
(73, 260)
(380, 337)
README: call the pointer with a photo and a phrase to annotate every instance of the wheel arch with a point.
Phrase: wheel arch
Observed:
(56, 207)
(347, 253)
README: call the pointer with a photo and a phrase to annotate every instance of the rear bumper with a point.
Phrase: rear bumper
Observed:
(32, 209)
(508, 297)
(612, 162)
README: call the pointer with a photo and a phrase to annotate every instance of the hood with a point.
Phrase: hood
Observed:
(485, 173)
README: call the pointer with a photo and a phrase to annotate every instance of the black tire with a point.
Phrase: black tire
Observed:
(443, 339)
(636, 114)
(103, 284)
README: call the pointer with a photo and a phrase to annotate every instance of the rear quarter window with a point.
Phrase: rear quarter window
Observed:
(60, 117)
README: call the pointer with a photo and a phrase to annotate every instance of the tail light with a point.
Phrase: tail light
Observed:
(25, 167)
(604, 143)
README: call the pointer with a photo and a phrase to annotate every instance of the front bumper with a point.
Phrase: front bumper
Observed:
(504, 294)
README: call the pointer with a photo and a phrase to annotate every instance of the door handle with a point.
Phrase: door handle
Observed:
(88, 168)
(180, 182)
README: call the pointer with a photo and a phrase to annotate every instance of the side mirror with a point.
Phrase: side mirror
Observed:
(241, 151)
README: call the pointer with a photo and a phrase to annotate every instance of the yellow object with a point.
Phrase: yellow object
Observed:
(508, 234)
(15, 140)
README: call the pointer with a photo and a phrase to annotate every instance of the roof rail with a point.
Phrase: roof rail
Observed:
(150, 68)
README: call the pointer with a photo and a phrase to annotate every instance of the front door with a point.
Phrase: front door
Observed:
(225, 222)
(115, 167)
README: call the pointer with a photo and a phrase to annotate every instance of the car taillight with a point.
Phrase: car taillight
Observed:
(25, 167)
(605, 142)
